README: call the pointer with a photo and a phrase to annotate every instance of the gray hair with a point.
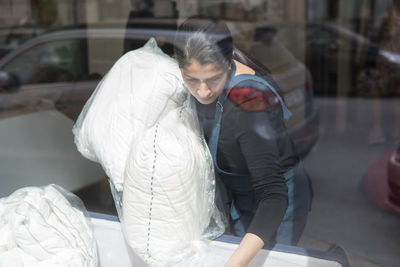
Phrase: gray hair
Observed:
(207, 41)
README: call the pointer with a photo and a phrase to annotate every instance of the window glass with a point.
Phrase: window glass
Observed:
(103, 53)
(50, 62)
(336, 65)
(2, 38)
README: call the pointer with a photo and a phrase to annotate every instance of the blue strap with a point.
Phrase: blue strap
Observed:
(213, 140)
(214, 137)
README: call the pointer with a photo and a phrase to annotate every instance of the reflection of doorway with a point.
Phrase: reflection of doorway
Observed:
(154, 8)
(111, 10)
(44, 12)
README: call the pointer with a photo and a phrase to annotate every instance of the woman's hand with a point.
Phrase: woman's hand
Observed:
(246, 251)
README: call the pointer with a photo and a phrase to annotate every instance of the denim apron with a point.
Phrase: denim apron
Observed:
(240, 192)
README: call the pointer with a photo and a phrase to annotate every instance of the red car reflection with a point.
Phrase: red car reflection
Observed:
(383, 181)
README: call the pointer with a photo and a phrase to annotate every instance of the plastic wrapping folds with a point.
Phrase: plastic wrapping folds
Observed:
(140, 127)
(46, 227)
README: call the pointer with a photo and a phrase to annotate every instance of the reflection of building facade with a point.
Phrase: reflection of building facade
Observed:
(40, 13)
(244, 10)
(67, 12)
(15, 12)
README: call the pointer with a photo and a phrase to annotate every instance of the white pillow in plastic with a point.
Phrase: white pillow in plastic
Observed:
(168, 203)
(140, 87)
(40, 227)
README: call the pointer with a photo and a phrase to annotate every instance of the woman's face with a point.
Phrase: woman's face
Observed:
(205, 82)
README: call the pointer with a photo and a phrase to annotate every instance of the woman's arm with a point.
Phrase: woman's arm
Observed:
(260, 145)
(259, 140)
(246, 251)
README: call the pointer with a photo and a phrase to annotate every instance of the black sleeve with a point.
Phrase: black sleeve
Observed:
(258, 142)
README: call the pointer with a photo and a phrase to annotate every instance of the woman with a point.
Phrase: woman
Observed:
(253, 155)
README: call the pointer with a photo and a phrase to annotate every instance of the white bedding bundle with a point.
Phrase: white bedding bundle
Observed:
(165, 194)
(139, 126)
(40, 228)
(139, 89)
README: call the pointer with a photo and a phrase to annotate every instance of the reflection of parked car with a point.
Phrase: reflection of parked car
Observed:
(12, 37)
(61, 69)
(382, 183)
(393, 199)
(296, 85)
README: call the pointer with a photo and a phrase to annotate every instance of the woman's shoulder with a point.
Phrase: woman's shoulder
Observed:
(246, 76)
(243, 69)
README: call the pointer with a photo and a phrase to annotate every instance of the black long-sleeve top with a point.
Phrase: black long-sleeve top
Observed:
(253, 140)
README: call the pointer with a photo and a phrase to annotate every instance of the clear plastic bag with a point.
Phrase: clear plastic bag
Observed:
(45, 226)
(131, 97)
(161, 172)
(169, 193)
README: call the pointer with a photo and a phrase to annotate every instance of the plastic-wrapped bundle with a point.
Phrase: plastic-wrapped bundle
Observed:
(138, 124)
(168, 192)
(140, 87)
(45, 226)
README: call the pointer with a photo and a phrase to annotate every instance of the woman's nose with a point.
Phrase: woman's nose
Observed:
(203, 91)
